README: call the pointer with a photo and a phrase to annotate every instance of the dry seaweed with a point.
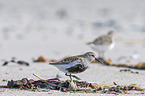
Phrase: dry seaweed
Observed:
(43, 59)
(140, 65)
(129, 70)
(72, 86)
(13, 60)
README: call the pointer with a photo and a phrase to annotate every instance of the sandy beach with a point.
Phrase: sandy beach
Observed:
(56, 29)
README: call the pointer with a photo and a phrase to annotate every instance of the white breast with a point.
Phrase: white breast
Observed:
(101, 47)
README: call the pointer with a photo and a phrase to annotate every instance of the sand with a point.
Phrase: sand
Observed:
(56, 29)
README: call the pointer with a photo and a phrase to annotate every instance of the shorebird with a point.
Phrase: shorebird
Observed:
(103, 43)
(75, 64)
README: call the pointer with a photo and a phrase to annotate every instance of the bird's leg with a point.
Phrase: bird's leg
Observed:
(13, 60)
(99, 54)
(68, 75)
(103, 54)
(103, 58)
(76, 77)
(72, 76)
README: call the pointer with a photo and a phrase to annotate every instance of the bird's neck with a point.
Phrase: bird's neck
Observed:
(88, 59)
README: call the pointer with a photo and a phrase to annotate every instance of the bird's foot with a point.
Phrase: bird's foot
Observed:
(76, 77)
(72, 76)
(68, 75)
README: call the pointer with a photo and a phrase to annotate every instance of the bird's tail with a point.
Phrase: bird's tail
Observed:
(54, 64)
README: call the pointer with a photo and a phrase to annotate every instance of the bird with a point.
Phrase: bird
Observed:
(103, 43)
(75, 64)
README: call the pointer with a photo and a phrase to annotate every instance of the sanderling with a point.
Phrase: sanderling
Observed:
(75, 64)
(102, 43)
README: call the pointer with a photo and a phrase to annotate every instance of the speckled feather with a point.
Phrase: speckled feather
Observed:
(68, 60)
(77, 68)
(105, 39)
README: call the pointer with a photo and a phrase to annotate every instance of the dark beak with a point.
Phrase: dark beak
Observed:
(98, 60)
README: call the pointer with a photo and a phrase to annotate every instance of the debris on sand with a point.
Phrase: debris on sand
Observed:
(128, 70)
(13, 60)
(76, 86)
(140, 65)
(72, 86)
(43, 59)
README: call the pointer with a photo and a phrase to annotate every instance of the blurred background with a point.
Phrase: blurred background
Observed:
(59, 28)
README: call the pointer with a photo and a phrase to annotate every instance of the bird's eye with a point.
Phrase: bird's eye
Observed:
(92, 55)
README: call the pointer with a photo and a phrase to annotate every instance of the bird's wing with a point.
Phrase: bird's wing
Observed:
(66, 60)
(103, 39)
(77, 68)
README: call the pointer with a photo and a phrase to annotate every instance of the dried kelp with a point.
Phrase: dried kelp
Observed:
(24, 83)
(140, 65)
(53, 84)
(13, 60)
(43, 59)
(120, 88)
(129, 70)
(72, 86)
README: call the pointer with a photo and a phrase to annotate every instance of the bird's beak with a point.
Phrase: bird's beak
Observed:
(98, 60)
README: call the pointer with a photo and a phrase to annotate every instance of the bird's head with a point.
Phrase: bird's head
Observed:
(111, 33)
(91, 57)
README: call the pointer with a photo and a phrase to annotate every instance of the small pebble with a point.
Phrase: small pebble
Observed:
(104, 90)
(128, 61)
(131, 71)
(137, 72)
(20, 68)
(4, 80)
(59, 75)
